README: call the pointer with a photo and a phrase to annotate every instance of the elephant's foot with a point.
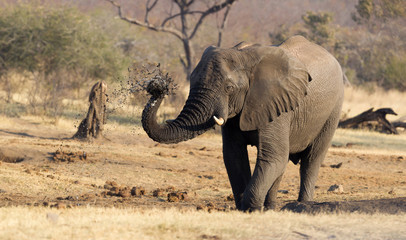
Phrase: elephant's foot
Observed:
(251, 208)
(305, 196)
(270, 206)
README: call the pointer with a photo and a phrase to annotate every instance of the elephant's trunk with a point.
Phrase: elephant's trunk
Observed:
(195, 119)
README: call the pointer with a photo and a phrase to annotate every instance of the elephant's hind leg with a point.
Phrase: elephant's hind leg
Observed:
(314, 155)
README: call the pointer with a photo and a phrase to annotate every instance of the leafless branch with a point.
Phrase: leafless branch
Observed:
(222, 26)
(178, 14)
(185, 32)
(148, 9)
(137, 22)
(209, 11)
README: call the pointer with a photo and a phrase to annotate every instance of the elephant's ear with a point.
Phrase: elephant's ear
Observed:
(278, 83)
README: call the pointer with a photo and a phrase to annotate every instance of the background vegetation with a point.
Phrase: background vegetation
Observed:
(50, 54)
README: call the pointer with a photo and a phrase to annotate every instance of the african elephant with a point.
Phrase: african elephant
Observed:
(284, 99)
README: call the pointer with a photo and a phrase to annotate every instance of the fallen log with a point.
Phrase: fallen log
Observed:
(375, 120)
(399, 124)
(93, 124)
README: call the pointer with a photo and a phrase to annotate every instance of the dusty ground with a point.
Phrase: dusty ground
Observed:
(40, 165)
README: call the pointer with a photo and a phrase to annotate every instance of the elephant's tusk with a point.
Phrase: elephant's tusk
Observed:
(219, 121)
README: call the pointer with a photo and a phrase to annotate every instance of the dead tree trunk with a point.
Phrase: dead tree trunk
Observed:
(371, 119)
(399, 124)
(93, 124)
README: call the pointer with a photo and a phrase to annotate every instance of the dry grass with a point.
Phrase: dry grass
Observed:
(357, 100)
(370, 170)
(110, 223)
(371, 141)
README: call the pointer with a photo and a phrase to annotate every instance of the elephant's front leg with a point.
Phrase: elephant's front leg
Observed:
(273, 156)
(236, 161)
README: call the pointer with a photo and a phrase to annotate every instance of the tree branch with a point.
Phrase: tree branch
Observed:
(178, 14)
(148, 9)
(222, 26)
(137, 22)
(209, 11)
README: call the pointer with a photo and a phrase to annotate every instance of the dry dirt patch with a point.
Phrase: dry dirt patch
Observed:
(56, 170)
(10, 156)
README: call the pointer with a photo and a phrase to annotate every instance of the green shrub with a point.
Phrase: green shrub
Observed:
(60, 48)
(395, 72)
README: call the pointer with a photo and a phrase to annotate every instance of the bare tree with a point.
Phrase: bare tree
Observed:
(183, 23)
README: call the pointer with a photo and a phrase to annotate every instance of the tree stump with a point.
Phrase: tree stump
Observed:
(371, 119)
(93, 124)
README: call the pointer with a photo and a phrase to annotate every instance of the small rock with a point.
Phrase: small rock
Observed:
(336, 188)
(336, 165)
(230, 197)
(200, 207)
(177, 196)
(113, 191)
(158, 192)
(138, 191)
(209, 207)
(59, 205)
(173, 197)
(125, 193)
(162, 154)
(112, 183)
(392, 191)
(51, 176)
(213, 237)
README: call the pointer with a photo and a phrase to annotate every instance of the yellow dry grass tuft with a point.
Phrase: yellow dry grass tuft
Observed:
(110, 223)
(357, 100)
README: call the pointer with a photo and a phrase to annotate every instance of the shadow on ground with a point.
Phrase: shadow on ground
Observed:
(388, 206)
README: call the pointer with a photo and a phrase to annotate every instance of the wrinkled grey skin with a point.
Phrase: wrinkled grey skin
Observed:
(285, 100)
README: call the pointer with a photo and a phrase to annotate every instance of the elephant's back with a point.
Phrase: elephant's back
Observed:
(327, 77)
(325, 91)
(321, 65)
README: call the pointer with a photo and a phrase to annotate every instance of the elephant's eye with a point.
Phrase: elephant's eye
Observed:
(229, 88)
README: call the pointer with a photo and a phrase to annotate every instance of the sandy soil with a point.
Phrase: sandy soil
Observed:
(41, 166)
